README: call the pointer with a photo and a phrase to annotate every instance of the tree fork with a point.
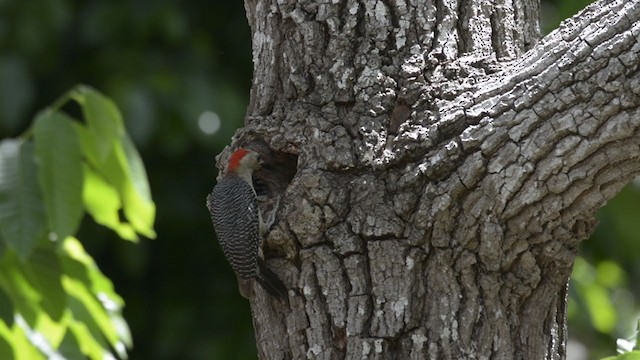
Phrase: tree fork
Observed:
(447, 165)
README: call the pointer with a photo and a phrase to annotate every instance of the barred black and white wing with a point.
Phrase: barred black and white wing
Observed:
(234, 210)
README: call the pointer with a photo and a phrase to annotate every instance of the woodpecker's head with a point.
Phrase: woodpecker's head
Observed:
(243, 162)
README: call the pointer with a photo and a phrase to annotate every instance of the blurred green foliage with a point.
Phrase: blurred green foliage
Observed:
(165, 63)
(632, 355)
(55, 302)
(603, 298)
(181, 73)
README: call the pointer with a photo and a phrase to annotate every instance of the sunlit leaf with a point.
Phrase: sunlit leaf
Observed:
(102, 188)
(103, 119)
(35, 292)
(51, 330)
(89, 345)
(36, 297)
(79, 265)
(22, 346)
(54, 301)
(93, 300)
(139, 207)
(24, 296)
(22, 218)
(102, 201)
(123, 333)
(123, 169)
(58, 154)
(6, 342)
(633, 355)
(87, 310)
(37, 339)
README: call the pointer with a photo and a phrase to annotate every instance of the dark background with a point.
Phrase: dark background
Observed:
(165, 63)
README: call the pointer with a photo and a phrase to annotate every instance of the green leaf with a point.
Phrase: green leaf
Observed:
(92, 298)
(6, 342)
(124, 171)
(50, 330)
(24, 296)
(122, 329)
(69, 347)
(79, 265)
(6, 309)
(633, 355)
(112, 154)
(22, 218)
(54, 301)
(102, 117)
(102, 201)
(88, 144)
(35, 289)
(22, 346)
(43, 269)
(87, 310)
(58, 153)
(90, 346)
(36, 338)
(139, 208)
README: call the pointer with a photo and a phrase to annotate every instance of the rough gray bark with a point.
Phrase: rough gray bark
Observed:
(438, 167)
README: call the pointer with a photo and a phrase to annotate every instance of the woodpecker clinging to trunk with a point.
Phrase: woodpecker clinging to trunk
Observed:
(233, 205)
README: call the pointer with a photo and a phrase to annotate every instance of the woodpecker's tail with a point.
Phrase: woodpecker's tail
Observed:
(271, 282)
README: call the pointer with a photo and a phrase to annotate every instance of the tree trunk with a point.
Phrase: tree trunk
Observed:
(437, 167)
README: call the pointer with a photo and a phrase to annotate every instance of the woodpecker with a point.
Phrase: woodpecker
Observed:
(233, 205)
